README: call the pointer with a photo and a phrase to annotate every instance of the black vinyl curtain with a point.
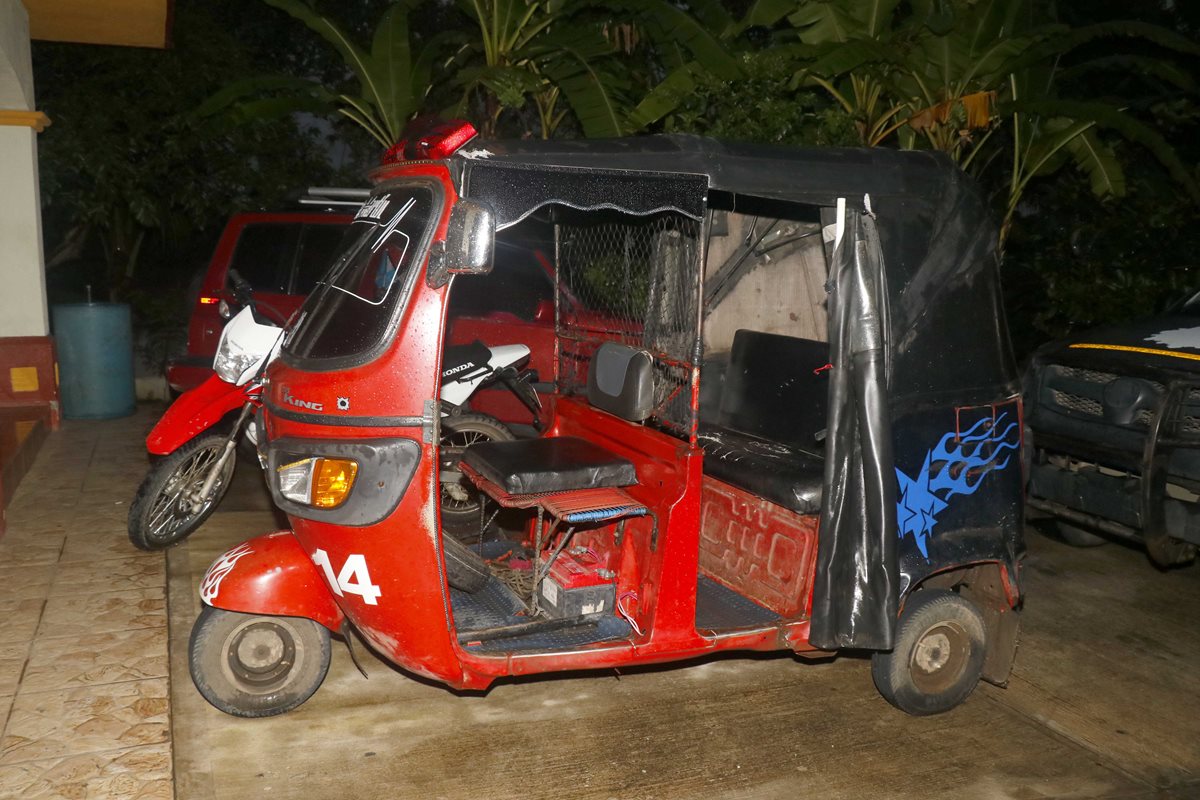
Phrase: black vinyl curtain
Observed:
(857, 583)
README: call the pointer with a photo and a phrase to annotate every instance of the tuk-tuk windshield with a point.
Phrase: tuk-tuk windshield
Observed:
(349, 311)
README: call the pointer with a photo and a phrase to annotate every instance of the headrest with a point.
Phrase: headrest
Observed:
(621, 381)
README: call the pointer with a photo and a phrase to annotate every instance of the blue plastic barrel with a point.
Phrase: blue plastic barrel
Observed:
(95, 360)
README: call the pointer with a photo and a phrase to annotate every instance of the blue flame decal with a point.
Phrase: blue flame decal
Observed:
(959, 465)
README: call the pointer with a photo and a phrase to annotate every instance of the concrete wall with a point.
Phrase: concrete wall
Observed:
(16, 75)
(784, 291)
(22, 272)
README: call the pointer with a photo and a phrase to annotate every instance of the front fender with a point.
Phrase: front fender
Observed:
(271, 575)
(194, 412)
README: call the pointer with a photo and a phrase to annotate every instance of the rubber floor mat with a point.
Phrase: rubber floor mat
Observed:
(496, 604)
(721, 609)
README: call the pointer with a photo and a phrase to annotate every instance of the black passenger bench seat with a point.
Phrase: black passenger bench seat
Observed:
(773, 405)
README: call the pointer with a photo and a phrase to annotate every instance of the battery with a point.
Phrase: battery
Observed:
(573, 588)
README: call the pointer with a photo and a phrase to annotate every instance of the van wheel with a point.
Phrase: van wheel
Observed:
(250, 665)
(1077, 536)
(938, 657)
(460, 499)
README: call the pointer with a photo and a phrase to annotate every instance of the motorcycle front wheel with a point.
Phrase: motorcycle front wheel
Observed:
(165, 509)
(460, 498)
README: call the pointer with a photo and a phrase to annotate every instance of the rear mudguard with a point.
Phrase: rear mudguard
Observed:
(271, 575)
(194, 412)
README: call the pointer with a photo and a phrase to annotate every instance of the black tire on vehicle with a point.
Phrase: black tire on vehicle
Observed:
(465, 569)
(460, 515)
(157, 516)
(1077, 536)
(250, 665)
(938, 657)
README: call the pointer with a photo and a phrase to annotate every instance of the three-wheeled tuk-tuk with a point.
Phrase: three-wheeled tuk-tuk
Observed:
(783, 416)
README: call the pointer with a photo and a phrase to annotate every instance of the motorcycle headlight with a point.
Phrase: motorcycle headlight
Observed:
(229, 366)
(317, 482)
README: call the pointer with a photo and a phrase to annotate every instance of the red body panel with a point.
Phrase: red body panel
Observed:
(758, 549)
(194, 412)
(270, 575)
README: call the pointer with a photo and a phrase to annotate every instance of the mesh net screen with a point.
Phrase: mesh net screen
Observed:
(633, 280)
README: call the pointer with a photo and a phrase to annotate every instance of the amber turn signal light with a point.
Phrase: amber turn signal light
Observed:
(332, 480)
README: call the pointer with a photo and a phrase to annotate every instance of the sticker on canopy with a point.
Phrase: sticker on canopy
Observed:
(373, 208)
(1177, 338)
(387, 253)
(956, 466)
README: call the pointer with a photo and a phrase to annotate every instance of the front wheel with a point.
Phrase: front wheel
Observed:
(460, 499)
(249, 665)
(167, 506)
(938, 657)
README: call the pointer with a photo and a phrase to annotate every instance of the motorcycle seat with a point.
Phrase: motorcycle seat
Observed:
(551, 464)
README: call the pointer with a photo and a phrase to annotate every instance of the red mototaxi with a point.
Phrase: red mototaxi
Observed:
(374, 560)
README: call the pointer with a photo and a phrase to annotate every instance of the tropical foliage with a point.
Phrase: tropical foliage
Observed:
(1047, 105)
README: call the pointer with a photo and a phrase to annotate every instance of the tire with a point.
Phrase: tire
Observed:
(250, 665)
(1077, 536)
(465, 569)
(938, 657)
(157, 517)
(460, 499)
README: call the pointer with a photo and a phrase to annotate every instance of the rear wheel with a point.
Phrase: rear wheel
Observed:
(167, 506)
(460, 499)
(249, 665)
(938, 657)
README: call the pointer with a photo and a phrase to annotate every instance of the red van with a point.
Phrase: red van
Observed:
(280, 253)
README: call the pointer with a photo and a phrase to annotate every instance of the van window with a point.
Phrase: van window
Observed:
(518, 283)
(263, 255)
(319, 245)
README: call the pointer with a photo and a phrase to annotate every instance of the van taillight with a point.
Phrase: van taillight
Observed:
(209, 301)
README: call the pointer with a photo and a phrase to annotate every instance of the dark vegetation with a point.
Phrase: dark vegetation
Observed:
(1083, 130)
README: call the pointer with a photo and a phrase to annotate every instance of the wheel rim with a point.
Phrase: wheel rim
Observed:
(262, 655)
(453, 444)
(939, 657)
(172, 510)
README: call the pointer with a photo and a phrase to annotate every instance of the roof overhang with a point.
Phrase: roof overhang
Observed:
(131, 23)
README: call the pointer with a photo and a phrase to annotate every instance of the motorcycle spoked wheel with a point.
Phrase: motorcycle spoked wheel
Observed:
(159, 515)
(460, 499)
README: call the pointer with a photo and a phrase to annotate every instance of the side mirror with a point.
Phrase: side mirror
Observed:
(468, 248)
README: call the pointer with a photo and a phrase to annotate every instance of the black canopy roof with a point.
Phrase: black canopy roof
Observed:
(805, 175)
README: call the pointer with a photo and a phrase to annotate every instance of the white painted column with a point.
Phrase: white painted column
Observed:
(22, 267)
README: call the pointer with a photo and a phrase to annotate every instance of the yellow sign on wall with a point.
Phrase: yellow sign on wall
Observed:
(23, 379)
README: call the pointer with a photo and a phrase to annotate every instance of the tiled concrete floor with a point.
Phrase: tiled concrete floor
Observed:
(1103, 702)
(83, 636)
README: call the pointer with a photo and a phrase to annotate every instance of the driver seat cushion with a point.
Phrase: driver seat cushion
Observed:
(552, 464)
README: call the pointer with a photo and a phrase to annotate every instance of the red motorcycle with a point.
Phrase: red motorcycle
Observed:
(195, 441)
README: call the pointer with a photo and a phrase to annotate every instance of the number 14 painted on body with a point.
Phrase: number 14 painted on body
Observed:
(353, 578)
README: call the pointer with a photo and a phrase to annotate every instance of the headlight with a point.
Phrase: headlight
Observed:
(243, 347)
(317, 482)
(231, 365)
